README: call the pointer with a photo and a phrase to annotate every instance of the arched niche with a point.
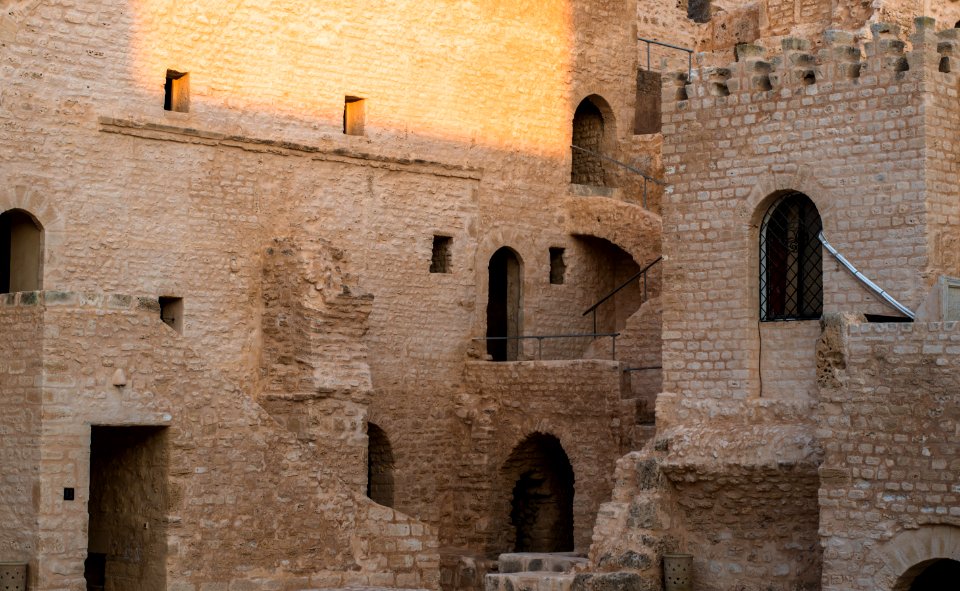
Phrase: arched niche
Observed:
(593, 137)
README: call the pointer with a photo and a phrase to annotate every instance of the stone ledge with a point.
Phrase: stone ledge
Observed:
(182, 134)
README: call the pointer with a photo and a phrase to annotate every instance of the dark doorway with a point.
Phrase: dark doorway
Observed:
(379, 466)
(936, 575)
(504, 305)
(127, 542)
(21, 252)
(541, 506)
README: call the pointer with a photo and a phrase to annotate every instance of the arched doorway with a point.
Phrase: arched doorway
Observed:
(379, 466)
(21, 252)
(504, 305)
(541, 503)
(593, 133)
(930, 575)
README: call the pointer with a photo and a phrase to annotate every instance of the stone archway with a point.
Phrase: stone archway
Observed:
(930, 575)
(541, 500)
(926, 552)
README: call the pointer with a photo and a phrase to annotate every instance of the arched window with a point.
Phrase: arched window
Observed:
(379, 466)
(21, 252)
(791, 260)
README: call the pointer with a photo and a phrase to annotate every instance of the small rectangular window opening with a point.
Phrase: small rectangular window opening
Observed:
(353, 115)
(558, 268)
(171, 312)
(441, 259)
(176, 92)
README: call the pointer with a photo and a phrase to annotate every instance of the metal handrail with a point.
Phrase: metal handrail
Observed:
(642, 272)
(540, 338)
(628, 167)
(689, 52)
(864, 279)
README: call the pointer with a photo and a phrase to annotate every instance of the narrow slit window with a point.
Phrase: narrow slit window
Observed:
(176, 92)
(171, 312)
(354, 115)
(440, 262)
(558, 268)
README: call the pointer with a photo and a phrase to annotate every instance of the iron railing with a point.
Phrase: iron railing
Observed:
(642, 273)
(688, 51)
(541, 337)
(632, 169)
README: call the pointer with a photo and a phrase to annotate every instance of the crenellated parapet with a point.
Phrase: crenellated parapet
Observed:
(843, 60)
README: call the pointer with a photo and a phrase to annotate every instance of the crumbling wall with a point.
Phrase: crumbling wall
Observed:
(887, 422)
(21, 369)
(316, 379)
(238, 479)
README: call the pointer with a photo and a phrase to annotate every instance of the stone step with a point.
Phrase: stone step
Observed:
(554, 562)
(615, 581)
(529, 581)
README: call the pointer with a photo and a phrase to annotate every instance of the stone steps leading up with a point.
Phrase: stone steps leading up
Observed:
(554, 562)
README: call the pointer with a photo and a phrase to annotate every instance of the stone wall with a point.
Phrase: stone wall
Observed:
(731, 154)
(468, 122)
(887, 421)
(578, 402)
(21, 372)
(227, 460)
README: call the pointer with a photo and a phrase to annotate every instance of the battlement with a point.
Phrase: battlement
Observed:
(843, 60)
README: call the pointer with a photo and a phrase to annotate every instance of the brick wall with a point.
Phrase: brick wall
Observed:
(575, 401)
(467, 134)
(887, 422)
(729, 154)
(20, 381)
(227, 459)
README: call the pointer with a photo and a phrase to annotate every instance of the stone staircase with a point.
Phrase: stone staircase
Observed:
(563, 571)
(629, 536)
(535, 571)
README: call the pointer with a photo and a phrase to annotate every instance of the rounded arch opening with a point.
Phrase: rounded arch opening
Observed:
(930, 575)
(21, 252)
(504, 305)
(593, 136)
(541, 498)
(380, 484)
(791, 259)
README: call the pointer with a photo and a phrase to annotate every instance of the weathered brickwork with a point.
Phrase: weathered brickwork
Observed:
(742, 471)
(20, 407)
(227, 460)
(888, 425)
(302, 254)
(497, 410)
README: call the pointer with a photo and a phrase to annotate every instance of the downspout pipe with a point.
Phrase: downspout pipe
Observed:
(865, 280)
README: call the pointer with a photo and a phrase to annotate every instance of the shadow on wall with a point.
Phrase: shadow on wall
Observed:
(380, 484)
